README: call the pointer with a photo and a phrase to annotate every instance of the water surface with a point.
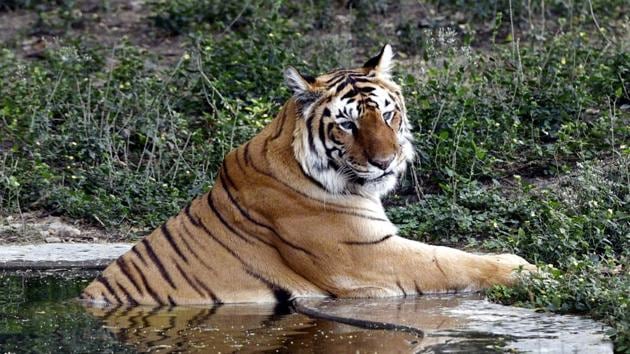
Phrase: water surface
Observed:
(39, 313)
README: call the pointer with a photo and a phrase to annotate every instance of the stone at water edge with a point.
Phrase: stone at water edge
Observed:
(61, 255)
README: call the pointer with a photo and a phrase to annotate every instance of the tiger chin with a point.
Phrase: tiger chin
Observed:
(296, 212)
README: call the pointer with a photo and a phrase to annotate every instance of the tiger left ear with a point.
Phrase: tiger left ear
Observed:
(382, 63)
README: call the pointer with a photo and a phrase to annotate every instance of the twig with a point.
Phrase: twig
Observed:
(599, 29)
(236, 18)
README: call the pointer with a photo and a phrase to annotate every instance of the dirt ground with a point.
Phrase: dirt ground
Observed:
(33, 31)
(35, 227)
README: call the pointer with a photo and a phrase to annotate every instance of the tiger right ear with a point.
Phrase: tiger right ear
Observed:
(298, 83)
(302, 86)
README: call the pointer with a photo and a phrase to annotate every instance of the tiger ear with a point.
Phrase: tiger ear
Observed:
(383, 62)
(302, 85)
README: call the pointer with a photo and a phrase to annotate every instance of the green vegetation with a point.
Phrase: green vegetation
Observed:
(521, 113)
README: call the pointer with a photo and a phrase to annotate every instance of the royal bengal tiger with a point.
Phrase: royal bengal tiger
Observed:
(296, 212)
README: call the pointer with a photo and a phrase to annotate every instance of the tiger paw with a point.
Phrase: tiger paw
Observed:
(511, 267)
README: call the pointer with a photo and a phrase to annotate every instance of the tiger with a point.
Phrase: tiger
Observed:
(296, 212)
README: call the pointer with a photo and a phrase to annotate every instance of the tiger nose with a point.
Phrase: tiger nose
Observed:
(383, 164)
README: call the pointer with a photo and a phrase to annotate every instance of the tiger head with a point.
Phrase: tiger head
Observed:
(352, 133)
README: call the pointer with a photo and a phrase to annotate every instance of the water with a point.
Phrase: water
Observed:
(39, 314)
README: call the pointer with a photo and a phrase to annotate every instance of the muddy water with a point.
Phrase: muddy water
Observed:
(38, 314)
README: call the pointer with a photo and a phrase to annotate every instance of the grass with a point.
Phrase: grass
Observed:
(521, 116)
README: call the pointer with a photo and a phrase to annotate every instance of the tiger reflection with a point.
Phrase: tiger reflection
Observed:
(243, 329)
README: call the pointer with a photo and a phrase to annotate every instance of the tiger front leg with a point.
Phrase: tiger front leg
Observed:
(455, 270)
(404, 267)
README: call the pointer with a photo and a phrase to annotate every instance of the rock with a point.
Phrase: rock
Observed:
(53, 255)
(60, 229)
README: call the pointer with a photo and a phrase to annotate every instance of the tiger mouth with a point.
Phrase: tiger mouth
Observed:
(381, 177)
(364, 180)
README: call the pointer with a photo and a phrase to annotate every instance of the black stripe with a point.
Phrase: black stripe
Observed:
(418, 290)
(202, 226)
(205, 316)
(125, 270)
(343, 113)
(322, 133)
(280, 128)
(246, 152)
(101, 279)
(366, 243)
(224, 222)
(333, 164)
(331, 136)
(191, 249)
(105, 298)
(437, 264)
(391, 97)
(329, 154)
(229, 183)
(335, 80)
(163, 334)
(366, 89)
(198, 319)
(171, 241)
(146, 285)
(341, 86)
(171, 302)
(188, 280)
(309, 132)
(401, 288)
(133, 320)
(134, 249)
(369, 102)
(307, 176)
(158, 263)
(210, 293)
(130, 299)
(281, 294)
(187, 212)
(349, 94)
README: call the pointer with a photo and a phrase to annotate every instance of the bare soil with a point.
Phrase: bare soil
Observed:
(32, 31)
(37, 227)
